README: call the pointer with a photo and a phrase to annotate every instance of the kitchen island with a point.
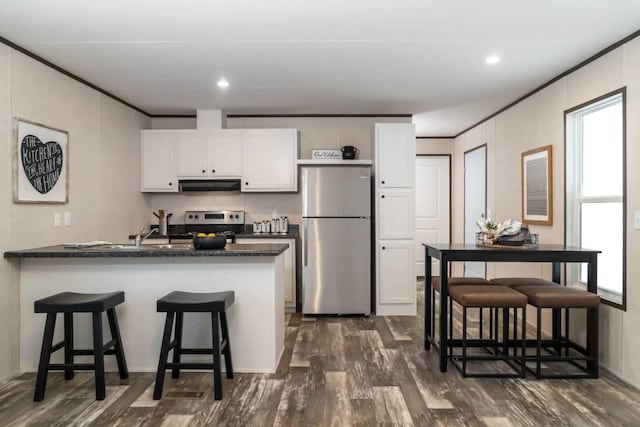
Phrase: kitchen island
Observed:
(254, 272)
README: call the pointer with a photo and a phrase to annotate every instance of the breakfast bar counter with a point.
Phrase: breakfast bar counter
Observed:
(145, 274)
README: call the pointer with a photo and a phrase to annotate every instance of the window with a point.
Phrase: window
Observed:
(595, 191)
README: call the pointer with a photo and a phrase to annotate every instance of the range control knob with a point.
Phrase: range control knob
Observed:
(196, 216)
(237, 216)
(190, 216)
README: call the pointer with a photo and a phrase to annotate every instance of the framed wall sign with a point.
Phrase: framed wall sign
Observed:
(537, 186)
(41, 164)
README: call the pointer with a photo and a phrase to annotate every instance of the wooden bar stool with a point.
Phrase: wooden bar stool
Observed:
(492, 297)
(561, 297)
(175, 305)
(69, 303)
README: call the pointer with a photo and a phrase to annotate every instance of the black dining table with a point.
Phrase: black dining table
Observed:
(556, 254)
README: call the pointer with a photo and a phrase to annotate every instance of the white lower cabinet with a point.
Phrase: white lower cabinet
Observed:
(289, 268)
(396, 283)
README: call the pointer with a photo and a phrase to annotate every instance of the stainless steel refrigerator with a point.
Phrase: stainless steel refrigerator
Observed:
(336, 239)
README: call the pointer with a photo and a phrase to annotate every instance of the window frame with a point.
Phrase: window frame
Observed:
(579, 199)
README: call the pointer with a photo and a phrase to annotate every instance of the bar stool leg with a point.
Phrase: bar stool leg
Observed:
(177, 350)
(115, 334)
(464, 341)
(566, 332)
(217, 378)
(524, 342)
(164, 352)
(68, 345)
(227, 348)
(538, 342)
(45, 354)
(98, 351)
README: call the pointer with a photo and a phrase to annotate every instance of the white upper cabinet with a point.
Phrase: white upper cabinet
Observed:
(395, 155)
(208, 154)
(191, 152)
(158, 166)
(225, 154)
(269, 160)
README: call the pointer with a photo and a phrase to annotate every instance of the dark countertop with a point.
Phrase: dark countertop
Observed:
(145, 251)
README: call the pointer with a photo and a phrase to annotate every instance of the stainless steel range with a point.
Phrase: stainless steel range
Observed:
(227, 222)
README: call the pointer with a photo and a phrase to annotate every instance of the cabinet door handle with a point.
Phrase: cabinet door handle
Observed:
(204, 171)
(383, 196)
(213, 171)
(384, 247)
(171, 183)
(382, 182)
(246, 183)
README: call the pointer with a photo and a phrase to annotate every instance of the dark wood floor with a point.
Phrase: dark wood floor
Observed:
(334, 372)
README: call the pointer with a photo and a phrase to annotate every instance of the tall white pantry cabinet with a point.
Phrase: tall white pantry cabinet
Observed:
(395, 156)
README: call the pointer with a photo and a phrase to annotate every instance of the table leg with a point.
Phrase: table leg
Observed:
(444, 294)
(427, 299)
(592, 315)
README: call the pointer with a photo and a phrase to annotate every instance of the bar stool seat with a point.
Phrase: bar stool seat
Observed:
(69, 303)
(522, 281)
(493, 297)
(452, 282)
(175, 305)
(561, 297)
(457, 281)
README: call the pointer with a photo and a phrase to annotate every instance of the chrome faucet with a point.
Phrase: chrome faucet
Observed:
(140, 238)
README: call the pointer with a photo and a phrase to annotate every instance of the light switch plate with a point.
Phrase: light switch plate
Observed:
(636, 221)
(57, 221)
(67, 219)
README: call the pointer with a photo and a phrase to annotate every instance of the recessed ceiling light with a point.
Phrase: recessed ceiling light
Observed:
(492, 59)
(223, 83)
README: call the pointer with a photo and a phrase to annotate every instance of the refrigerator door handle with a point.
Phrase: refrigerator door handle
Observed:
(305, 239)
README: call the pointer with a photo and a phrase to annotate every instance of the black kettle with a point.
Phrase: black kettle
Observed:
(349, 152)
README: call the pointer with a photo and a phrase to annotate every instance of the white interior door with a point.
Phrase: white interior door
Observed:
(475, 202)
(432, 205)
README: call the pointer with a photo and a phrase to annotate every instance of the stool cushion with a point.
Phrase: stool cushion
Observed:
(196, 302)
(487, 296)
(72, 302)
(522, 281)
(456, 281)
(559, 297)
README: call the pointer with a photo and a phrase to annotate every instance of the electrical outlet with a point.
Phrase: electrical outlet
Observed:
(67, 219)
(57, 222)
(637, 220)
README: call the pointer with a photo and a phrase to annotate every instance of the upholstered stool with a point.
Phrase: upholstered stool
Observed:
(561, 297)
(493, 297)
(69, 303)
(175, 305)
(451, 282)
(513, 282)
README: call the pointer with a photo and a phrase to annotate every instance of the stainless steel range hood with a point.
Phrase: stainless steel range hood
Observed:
(209, 185)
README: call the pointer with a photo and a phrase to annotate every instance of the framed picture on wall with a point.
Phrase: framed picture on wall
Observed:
(41, 164)
(537, 186)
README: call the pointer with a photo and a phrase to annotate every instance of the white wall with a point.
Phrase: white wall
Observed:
(539, 121)
(104, 169)
(314, 133)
